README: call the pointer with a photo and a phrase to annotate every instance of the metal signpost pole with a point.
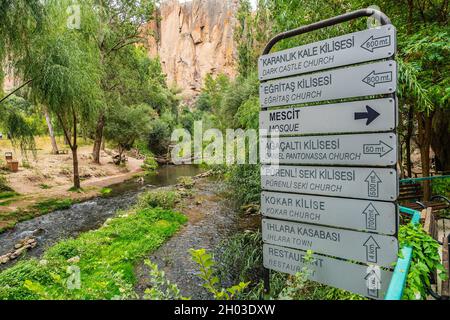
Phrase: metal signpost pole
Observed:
(335, 186)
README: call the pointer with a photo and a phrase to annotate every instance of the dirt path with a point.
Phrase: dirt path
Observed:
(49, 177)
(211, 220)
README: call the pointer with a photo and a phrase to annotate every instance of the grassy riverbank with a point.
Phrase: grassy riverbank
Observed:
(44, 181)
(105, 259)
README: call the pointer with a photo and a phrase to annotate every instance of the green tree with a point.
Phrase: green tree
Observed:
(127, 124)
(119, 31)
(62, 66)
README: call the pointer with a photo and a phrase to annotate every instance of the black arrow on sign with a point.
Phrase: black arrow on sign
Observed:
(370, 115)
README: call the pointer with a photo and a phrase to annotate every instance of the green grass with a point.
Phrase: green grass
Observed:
(9, 219)
(6, 198)
(8, 195)
(51, 205)
(106, 191)
(107, 259)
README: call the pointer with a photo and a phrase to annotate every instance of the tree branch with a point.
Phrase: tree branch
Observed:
(15, 90)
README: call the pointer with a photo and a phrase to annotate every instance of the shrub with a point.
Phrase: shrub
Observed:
(245, 183)
(245, 266)
(186, 182)
(158, 138)
(207, 265)
(4, 187)
(441, 187)
(425, 260)
(159, 198)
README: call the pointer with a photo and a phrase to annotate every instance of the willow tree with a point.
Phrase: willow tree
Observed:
(15, 122)
(19, 20)
(62, 63)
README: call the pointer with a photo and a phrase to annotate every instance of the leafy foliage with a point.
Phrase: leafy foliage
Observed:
(159, 199)
(425, 260)
(206, 264)
(105, 258)
(126, 124)
(20, 127)
(161, 288)
(244, 180)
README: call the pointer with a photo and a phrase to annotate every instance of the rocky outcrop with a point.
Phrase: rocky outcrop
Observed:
(193, 39)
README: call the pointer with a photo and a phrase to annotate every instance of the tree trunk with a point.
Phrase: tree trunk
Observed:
(440, 140)
(74, 147)
(76, 173)
(98, 138)
(50, 130)
(408, 140)
(424, 139)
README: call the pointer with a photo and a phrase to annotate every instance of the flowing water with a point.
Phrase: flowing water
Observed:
(212, 218)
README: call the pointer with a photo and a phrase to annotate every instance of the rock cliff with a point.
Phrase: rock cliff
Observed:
(193, 39)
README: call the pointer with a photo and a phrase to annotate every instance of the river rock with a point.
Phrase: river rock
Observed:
(4, 259)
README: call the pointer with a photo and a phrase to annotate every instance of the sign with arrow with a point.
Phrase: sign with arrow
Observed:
(363, 215)
(370, 115)
(372, 149)
(348, 117)
(352, 245)
(346, 182)
(369, 281)
(364, 80)
(373, 282)
(352, 48)
(328, 170)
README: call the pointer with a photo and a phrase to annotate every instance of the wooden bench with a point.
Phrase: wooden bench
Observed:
(411, 196)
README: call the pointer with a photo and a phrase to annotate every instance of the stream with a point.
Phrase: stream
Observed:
(211, 214)
(88, 215)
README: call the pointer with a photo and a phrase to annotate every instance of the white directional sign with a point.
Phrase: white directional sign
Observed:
(373, 149)
(357, 116)
(363, 80)
(369, 281)
(353, 245)
(365, 215)
(349, 182)
(328, 165)
(352, 48)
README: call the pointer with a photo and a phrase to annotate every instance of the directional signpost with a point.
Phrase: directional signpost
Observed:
(361, 279)
(357, 116)
(374, 149)
(365, 215)
(328, 171)
(363, 80)
(367, 45)
(352, 245)
(349, 182)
